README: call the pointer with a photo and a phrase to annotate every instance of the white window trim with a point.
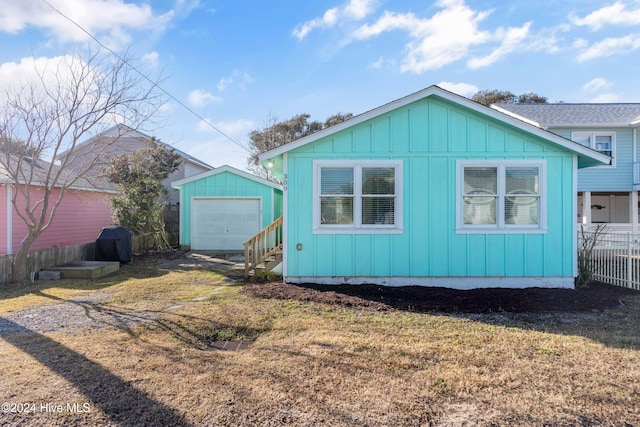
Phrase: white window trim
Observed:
(358, 228)
(500, 227)
(593, 142)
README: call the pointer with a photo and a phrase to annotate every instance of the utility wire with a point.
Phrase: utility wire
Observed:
(144, 76)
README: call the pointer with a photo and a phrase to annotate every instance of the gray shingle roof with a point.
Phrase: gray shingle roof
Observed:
(577, 114)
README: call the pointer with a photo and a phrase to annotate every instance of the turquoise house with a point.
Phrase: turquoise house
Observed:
(431, 189)
(222, 208)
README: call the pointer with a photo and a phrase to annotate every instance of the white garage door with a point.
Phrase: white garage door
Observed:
(223, 224)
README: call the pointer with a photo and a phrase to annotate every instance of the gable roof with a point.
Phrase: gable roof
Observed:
(35, 173)
(225, 168)
(586, 156)
(575, 115)
(121, 130)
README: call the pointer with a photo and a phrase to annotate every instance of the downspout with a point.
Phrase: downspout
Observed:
(9, 219)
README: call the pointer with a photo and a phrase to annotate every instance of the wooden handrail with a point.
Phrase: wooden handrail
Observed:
(261, 246)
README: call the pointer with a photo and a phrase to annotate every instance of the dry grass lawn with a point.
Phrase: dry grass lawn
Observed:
(310, 364)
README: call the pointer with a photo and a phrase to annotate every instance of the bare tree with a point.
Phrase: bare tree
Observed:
(69, 101)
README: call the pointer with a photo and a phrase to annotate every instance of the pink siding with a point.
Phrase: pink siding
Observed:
(3, 218)
(79, 219)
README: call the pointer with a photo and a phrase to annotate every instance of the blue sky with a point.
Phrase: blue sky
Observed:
(238, 62)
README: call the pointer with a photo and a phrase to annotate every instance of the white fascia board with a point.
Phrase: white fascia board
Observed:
(226, 168)
(524, 125)
(517, 116)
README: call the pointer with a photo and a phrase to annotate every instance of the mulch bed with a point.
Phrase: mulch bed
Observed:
(597, 297)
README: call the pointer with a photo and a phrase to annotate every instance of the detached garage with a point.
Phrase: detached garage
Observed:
(222, 208)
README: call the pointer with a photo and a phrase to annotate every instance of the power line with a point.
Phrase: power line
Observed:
(144, 76)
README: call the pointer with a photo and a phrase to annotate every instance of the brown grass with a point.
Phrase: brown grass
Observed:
(313, 364)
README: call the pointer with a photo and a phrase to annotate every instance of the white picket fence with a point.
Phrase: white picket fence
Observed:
(615, 258)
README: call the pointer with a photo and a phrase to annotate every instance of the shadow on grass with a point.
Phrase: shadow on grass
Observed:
(116, 398)
(195, 332)
(126, 272)
(603, 313)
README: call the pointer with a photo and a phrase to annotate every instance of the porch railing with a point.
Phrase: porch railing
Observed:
(260, 247)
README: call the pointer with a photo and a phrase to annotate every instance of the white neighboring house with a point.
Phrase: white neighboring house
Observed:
(606, 194)
(121, 139)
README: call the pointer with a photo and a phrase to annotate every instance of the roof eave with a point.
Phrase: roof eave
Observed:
(225, 168)
(510, 119)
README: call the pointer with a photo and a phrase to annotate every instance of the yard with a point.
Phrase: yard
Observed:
(139, 348)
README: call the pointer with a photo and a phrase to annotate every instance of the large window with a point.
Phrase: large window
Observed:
(351, 196)
(604, 142)
(501, 196)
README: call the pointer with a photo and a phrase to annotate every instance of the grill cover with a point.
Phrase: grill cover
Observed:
(114, 244)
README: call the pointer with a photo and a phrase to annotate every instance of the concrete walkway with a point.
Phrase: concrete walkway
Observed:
(202, 260)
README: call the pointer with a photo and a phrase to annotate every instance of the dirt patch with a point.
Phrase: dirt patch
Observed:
(598, 297)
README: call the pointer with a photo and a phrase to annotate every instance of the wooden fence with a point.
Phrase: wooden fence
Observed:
(45, 258)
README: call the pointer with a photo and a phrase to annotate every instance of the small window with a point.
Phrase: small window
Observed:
(361, 195)
(604, 142)
(500, 195)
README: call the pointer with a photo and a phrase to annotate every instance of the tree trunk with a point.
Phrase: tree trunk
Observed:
(20, 272)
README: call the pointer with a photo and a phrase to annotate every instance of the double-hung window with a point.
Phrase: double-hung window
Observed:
(604, 142)
(501, 196)
(357, 196)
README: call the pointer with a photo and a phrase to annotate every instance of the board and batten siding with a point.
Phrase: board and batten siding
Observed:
(227, 184)
(607, 178)
(429, 136)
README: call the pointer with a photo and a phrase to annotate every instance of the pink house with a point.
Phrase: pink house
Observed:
(79, 217)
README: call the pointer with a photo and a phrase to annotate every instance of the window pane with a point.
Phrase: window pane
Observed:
(604, 144)
(521, 210)
(479, 210)
(378, 210)
(480, 180)
(522, 181)
(336, 210)
(378, 181)
(336, 181)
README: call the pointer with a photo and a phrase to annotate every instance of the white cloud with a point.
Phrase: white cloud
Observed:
(597, 84)
(237, 78)
(512, 38)
(464, 89)
(167, 106)
(29, 70)
(359, 9)
(109, 20)
(151, 58)
(441, 39)
(353, 10)
(199, 98)
(615, 14)
(327, 20)
(610, 46)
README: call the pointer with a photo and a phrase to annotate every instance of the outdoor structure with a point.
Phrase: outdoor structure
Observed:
(431, 189)
(82, 213)
(606, 194)
(222, 208)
